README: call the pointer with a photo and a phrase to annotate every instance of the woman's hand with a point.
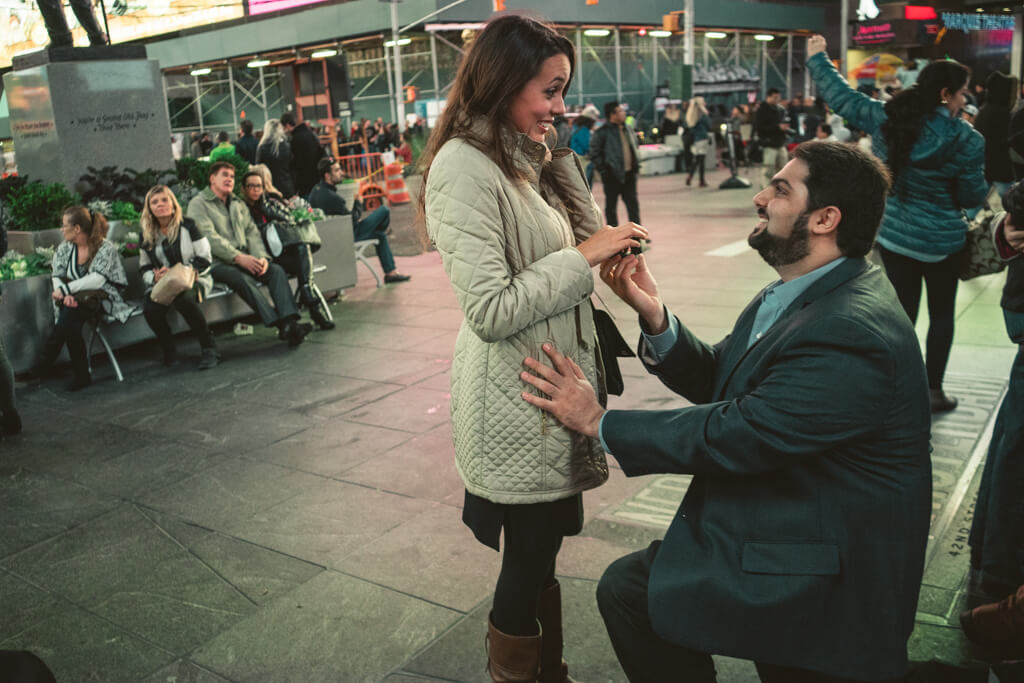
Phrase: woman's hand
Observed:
(608, 242)
(159, 273)
(69, 301)
(632, 282)
(815, 44)
(57, 295)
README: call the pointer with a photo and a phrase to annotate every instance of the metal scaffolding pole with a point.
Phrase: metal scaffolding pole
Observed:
(1016, 46)
(844, 35)
(399, 90)
(736, 48)
(433, 64)
(199, 103)
(807, 74)
(391, 87)
(789, 68)
(764, 69)
(618, 67)
(263, 95)
(707, 49)
(231, 89)
(579, 65)
(654, 63)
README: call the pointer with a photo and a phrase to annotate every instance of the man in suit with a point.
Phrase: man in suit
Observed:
(800, 542)
(615, 155)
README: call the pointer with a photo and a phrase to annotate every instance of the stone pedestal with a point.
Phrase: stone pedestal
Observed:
(75, 108)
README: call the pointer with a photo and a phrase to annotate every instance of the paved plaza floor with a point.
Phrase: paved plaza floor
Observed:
(294, 515)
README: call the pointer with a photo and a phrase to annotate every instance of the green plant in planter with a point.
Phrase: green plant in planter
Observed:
(38, 206)
(124, 212)
(130, 246)
(114, 185)
(15, 266)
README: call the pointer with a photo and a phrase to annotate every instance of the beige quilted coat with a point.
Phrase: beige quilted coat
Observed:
(508, 249)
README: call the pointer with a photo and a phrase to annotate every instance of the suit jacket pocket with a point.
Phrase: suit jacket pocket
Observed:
(814, 559)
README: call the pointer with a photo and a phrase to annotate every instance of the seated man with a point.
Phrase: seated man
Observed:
(240, 261)
(801, 541)
(373, 226)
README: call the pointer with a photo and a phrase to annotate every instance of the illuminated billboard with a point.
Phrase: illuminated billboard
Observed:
(22, 28)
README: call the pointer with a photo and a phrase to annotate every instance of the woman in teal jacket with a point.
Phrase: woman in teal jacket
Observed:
(937, 162)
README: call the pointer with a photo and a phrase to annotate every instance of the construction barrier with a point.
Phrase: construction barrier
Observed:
(398, 193)
(368, 172)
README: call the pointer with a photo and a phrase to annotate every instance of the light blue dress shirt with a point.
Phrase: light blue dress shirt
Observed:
(774, 301)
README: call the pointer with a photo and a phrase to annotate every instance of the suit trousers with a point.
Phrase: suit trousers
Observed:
(244, 284)
(645, 656)
(613, 189)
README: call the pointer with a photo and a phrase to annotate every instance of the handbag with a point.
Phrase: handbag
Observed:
(176, 280)
(979, 255)
(280, 235)
(612, 347)
(91, 301)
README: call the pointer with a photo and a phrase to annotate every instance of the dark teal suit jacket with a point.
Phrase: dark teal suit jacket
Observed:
(802, 537)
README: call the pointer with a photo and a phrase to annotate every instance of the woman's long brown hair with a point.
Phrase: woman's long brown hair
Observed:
(504, 57)
(92, 223)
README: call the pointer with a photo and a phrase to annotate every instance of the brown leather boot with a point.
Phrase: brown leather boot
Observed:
(998, 626)
(512, 659)
(553, 668)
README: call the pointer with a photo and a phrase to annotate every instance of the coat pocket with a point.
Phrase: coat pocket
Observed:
(809, 559)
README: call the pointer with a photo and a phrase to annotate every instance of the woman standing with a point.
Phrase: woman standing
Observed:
(276, 153)
(938, 166)
(86, 268)
(580, 140)
(699, 121)
(518, 232)
(168, 238)
(296, 242)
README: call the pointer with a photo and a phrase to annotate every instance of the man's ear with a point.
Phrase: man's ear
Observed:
(825, 220)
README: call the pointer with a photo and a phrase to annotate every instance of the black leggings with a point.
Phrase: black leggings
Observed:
(941, 281)
(524, 574)
(187, 305)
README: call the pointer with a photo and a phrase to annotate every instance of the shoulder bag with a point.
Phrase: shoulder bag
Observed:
(979, 255)
(176, 280)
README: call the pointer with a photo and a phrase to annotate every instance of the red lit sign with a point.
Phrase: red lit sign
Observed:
(919, 13)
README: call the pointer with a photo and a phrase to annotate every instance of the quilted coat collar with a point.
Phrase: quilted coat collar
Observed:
(528, 155)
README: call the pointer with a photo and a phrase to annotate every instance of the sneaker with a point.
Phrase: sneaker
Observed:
(10, 423)
(209, 359)
(396, 277)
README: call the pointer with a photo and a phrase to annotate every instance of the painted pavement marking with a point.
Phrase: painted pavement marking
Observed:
(732, 249)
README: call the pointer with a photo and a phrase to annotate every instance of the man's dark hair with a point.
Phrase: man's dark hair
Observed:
(222, 136)
(609, 108)
(217, 165)
(288, 119)
(247, 127)
(771, 91)
(825, 128)
(324, 165)
(853, 181)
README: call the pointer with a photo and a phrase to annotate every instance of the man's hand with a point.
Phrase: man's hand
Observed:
(572, 401)
(632, 282)
(263, 265)
(159, 273)
(815, 44)
(1014, 237)
(249, 263)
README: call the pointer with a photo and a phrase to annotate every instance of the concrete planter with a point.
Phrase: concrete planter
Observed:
(118, 229)
(25, 242)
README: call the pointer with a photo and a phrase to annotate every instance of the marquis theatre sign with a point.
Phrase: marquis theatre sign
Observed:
(895, 32)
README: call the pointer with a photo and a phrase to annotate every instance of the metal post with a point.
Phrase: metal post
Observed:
(1016, 47)
(707, 49)
(807, 74)
(231, 87)
(263, 96)
(764, 69)
(579, 65)
(399, 90)
(391, 87)
(654, 63)
(736, 52)
(199, 103)
(618, 67)
(789, 68)
(844, 35)
(433, 64)
(688, 32)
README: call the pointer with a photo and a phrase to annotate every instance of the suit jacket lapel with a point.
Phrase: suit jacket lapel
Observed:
(737, 350)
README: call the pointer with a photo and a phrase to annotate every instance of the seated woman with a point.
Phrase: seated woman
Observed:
(295, 243)
(169, 238)
(87, 281)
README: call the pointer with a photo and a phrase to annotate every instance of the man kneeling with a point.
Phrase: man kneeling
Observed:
(240, 261)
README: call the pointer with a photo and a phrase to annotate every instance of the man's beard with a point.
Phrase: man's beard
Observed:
(782, 251)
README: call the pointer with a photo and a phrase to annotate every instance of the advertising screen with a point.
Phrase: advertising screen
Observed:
(22, 28)
(264, 6)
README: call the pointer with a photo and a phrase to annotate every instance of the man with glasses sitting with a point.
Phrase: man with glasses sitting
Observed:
(365, 227)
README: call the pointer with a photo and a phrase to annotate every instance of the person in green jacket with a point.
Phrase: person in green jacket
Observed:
(223, 149)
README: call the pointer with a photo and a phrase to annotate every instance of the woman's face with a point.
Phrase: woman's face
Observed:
(955, 101)
(161, 206)
(253, 189)
(535, 106)
(71, 232)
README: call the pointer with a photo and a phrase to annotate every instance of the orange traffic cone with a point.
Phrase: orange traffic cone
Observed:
(398, 193)
(371, 194)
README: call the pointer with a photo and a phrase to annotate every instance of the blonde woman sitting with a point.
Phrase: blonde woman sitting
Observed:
(169, 238)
